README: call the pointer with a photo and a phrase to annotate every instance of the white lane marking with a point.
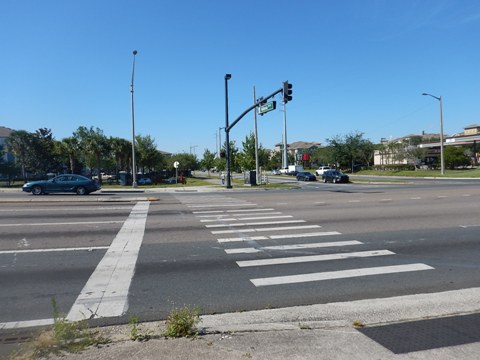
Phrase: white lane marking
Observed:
(416, 198)
(342, 274)
(248, 218)
(267, 229)
(385, 199)
(23, 243)
(466, 195)
(76, 209)
(221, 216)
(220, 205)
(284, 236)
(242, 251)
(353, 201)
(229, 211)
(25, 324)
(257, 223)
(312, 258)
(468, 226)
(90, 248)
(289, 236)
(65, 223)
(243, 238)
(250, 250)
(106, 291)
(441, 196)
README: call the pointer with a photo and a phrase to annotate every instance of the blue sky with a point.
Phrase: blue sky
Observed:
(355, 65)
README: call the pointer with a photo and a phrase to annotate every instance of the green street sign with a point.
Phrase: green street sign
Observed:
(272, 105)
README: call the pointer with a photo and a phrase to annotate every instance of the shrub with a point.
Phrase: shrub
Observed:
(182, 322)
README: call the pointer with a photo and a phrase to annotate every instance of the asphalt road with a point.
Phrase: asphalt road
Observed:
(235, 251)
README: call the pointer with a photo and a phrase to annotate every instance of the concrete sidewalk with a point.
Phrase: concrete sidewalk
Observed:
(426, 326)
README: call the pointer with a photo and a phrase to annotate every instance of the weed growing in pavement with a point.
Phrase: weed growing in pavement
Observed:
(63, 336)
(304, 326)
(358, 324)
(182, 322)
(135, 333)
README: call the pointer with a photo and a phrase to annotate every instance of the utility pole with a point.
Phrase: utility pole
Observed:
(193, 147)
(257, 166)
(285, 151)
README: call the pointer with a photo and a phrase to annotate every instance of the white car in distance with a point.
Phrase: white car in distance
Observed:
(322, 169)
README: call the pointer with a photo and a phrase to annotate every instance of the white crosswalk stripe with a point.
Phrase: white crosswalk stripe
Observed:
(342, 274)
(310, 258)
(284, 236)
(217, 215)
(250, 250)
(256, 223)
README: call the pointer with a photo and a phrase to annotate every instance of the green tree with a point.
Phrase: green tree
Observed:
(186, 162)
(323, 155)
(20, 145)
(220, 163)
(8, 169)
(208, 160)
(121, 151)
(455, 156)
(149, 158)
(350, 149)
(69, 147)
(43, 151)
(94, 145)
(246, 158)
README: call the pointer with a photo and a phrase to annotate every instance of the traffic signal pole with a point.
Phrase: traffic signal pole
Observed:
(285, 89)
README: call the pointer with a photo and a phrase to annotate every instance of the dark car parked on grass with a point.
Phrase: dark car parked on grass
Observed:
(306, 176)
(63, 183)
(335, 176)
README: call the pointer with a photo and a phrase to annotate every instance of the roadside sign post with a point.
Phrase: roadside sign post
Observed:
(175, 165)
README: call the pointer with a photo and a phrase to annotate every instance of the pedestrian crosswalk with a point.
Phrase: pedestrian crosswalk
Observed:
(232, 221)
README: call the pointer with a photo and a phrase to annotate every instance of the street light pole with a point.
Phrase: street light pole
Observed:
(227, 132)
(442, 161)
(257, 165)
(134, 167)
(220, 140)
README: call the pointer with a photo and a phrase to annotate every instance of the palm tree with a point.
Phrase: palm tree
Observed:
(95, 146)
(71, 148)
(122, 152)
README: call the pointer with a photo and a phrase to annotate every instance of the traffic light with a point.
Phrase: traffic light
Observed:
(287, 92)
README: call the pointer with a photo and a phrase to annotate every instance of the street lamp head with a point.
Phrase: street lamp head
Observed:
(439, 98)
(228, 76)
(134, 52)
